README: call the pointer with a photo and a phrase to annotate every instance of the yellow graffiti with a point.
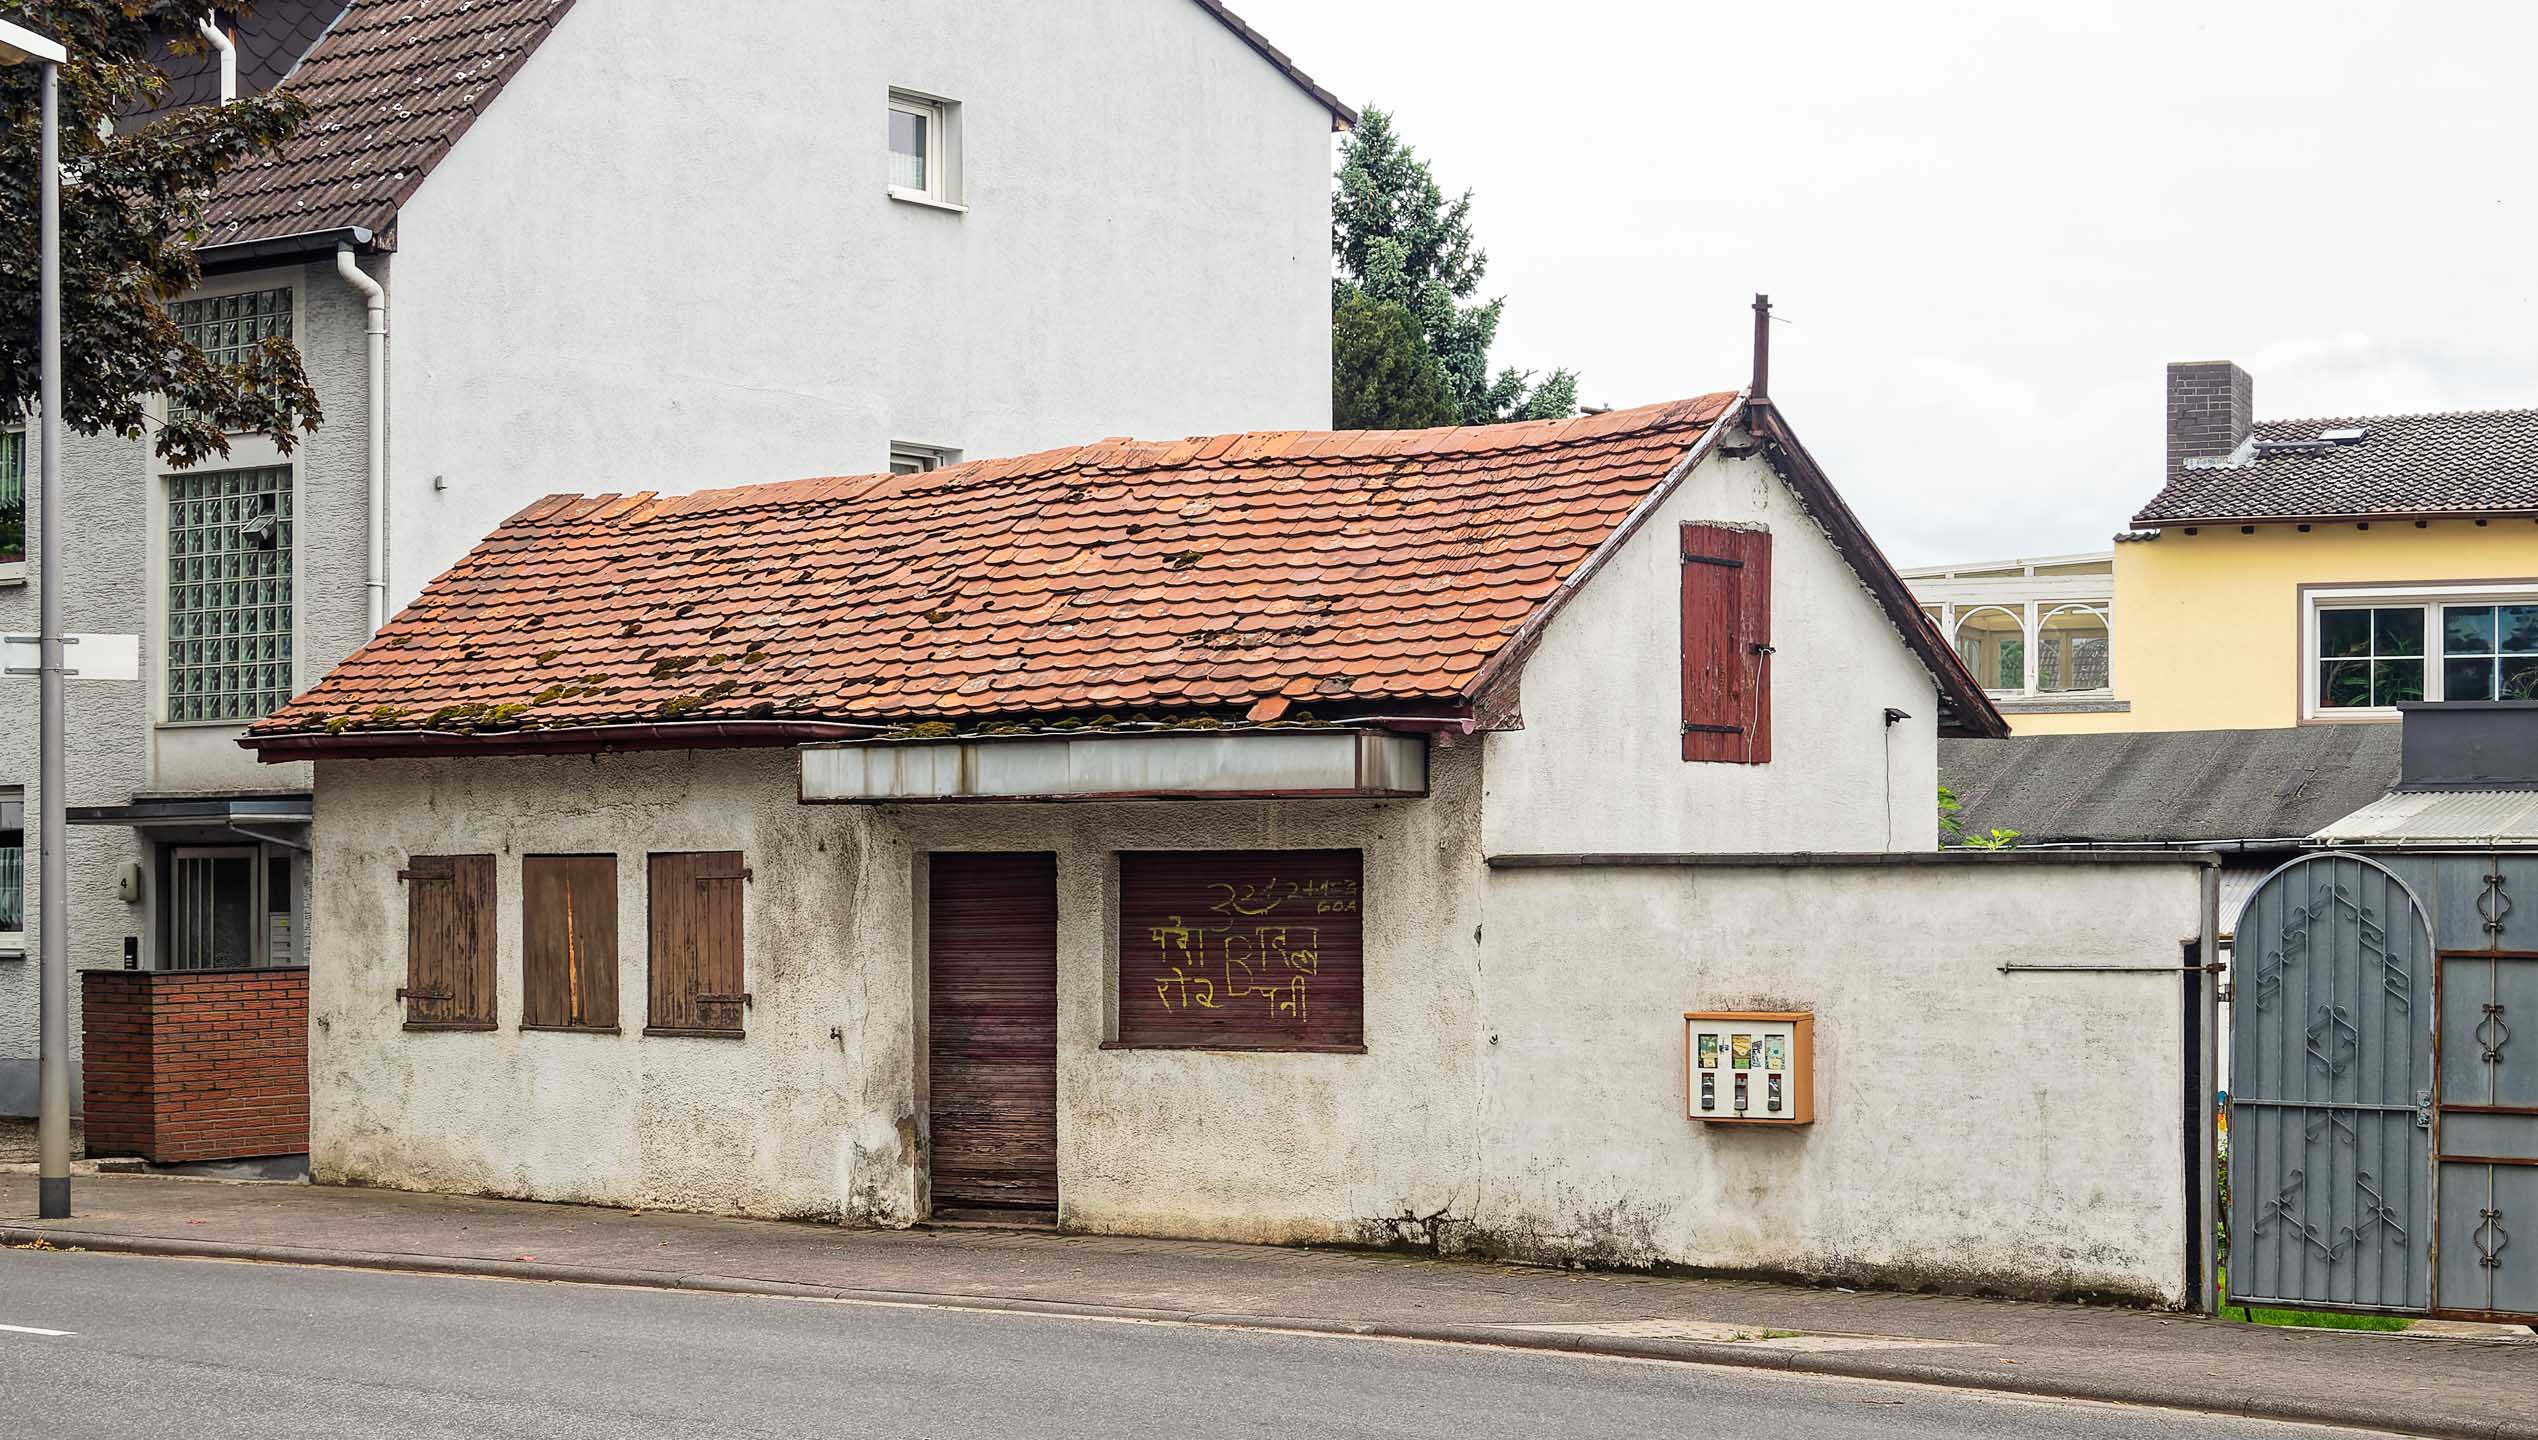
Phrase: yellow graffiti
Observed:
(1195, 990)
(1183, 956)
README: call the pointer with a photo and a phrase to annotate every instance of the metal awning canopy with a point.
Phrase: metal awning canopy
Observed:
(2472, 818)
(1142, 765)
(254, 816)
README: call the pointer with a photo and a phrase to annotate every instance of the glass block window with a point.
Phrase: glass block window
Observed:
(228, 593)
(2489, 652)
(227, 327)
(12, 497)
(2370, 657)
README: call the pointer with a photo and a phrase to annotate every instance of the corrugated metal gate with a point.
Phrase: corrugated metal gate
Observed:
(991, 1035)
(2383, 1131)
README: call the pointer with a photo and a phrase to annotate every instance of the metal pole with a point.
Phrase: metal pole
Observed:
(53, 1186)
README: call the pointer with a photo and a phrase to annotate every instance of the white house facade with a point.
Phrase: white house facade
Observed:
(528, 244)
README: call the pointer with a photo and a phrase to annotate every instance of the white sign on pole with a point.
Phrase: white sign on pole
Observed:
(84, 657)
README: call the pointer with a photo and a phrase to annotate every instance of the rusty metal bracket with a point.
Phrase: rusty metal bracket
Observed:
(405, 994)
(743, 998)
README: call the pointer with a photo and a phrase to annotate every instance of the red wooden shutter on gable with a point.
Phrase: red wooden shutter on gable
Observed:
(1726, 644)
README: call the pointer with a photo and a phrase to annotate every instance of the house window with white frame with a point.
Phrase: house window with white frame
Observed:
(2369, 650)
(13, 876)
(12, 496)
(924, 149)
(229, 601)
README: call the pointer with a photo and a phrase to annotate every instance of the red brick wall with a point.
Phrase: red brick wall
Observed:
(209, 1065)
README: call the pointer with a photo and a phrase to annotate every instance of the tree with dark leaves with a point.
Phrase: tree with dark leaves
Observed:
(132, 208)
(1399, 242)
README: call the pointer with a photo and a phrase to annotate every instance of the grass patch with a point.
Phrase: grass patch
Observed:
(2316, 1319)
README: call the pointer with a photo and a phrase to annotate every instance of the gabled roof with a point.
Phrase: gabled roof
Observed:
(2169, 786)
(1342, 574)
(395, 83)
(2466, 463)
(390, 89)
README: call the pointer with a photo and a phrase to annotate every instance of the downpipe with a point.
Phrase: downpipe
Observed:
(375, 301)
(228, 48)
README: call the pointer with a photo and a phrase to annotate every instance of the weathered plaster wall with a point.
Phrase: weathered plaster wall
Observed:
(2017, 1132)
(790, 1122)
(1252, 1146)
(1599, 763)
(718, 279)
(114, 520)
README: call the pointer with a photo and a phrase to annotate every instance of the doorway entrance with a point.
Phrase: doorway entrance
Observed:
(991, 1035)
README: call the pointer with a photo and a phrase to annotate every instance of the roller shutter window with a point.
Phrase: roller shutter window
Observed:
(1242, 949)
(698, 987)
(449, 942)
(568, 942)
(1726, 644)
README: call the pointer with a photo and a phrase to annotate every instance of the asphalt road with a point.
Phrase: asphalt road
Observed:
(184, 1347)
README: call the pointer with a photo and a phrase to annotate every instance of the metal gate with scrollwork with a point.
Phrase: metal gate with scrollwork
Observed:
(2383, 1128)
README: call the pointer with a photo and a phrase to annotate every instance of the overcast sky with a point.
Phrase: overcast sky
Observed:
(1989, 225)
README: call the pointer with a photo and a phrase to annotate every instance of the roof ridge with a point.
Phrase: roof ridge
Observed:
(1142, 457)
(2492, 413)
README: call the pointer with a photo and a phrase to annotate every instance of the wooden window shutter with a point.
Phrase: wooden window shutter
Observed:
(449, 942)
(568, 942)
(1726, 644)
(697, 979)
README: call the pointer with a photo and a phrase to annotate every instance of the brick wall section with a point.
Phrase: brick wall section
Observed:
(2211, 411)
(195, 1066)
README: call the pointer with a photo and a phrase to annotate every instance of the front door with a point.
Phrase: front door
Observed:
(991, 1035)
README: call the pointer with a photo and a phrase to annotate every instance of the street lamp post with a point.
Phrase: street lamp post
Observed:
(19, 46)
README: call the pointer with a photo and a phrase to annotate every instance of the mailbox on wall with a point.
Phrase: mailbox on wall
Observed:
(1749, 1067)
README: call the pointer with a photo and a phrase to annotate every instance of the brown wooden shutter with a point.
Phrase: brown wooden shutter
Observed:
(1242, 949)
(696, 945)
(568, 942)
(449, 942)
(1726, 644)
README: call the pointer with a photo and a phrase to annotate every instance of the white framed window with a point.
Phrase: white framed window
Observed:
(907, 458)
(13, 875)
(2367, 649)
(12, 502)
(925, 154)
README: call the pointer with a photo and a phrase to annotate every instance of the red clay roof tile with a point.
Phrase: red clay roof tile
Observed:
(1382, 568)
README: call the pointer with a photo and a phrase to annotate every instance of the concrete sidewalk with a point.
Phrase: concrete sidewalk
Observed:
(2445, 1387)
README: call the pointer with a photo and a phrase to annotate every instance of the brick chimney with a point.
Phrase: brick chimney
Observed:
(2211, 411)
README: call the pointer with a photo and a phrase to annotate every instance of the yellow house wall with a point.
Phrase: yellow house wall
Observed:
(2207, 626)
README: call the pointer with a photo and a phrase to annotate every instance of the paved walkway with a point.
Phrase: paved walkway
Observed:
(2427, 1386)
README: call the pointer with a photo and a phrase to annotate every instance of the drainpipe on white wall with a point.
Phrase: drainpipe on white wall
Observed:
(228, 49)
(374, 298)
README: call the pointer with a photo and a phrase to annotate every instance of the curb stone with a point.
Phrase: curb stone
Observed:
(1847, 1364)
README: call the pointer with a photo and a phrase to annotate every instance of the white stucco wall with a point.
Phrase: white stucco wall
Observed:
(1599, 763)
(1975, 1130)
(1521, 1093)
(790, 1122)
(663, 261)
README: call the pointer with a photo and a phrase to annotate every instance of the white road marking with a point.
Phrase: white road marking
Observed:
(32, 1330)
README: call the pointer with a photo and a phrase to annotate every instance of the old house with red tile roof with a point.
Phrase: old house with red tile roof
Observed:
(535, 244)
(1515, 839)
